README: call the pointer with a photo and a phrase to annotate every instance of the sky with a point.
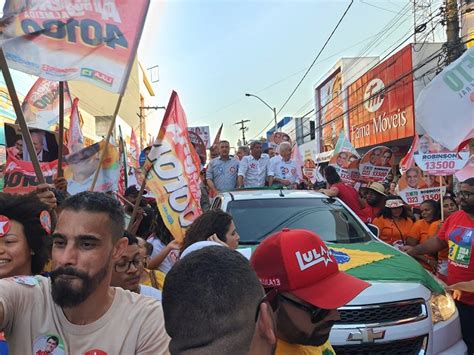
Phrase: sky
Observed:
(212, 52)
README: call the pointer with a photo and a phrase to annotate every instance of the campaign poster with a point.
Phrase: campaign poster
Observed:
(310, 171)
(435, 159)
(199, 146)
(277, 138)
(203, 133)
(44, 142)
(416, 186)
(347, 166)
(376, 164)
(20, 176)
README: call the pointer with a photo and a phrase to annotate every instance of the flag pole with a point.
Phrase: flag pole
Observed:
(107, 139)
(112, 124)
(441, 197)
(137, 202)
(61, 129)
(124, 156)
(20, 117)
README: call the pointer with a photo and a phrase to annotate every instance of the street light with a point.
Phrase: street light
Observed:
(271, 108)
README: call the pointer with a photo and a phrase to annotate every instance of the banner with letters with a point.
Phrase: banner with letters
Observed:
(438, 160)
(376, 164)
(416, 186)
(20, 176)
(203, 133)
(41, 104)
(346, 160)
(174, 171)
(93, 41)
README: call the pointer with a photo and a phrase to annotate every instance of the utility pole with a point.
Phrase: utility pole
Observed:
(453, 43)
(243, 128)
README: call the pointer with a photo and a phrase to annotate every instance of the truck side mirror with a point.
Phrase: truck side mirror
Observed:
(374, 229)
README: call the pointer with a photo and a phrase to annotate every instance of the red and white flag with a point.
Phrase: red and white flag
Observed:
(134, 152)
(408, 160)
(218, 136)
(298, 159)
(75, 138)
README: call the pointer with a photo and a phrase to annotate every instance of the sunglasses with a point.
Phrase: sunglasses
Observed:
(317, 314)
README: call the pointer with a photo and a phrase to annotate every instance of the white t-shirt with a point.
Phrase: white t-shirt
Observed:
(254, 171)
(170, 259)
(133, 324)
(287, 170)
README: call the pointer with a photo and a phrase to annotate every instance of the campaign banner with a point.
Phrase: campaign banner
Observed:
(344, 145)
(199, 146)
(376, 164)
(20, 176)
(416, 186)
(277, 138)
(174, 171)
(444, 107)
(203, 133)
(347, 166)
(75, 138)
(92, 41)
(409, 159)
(41, 104)
(134, 152)
(80, 168)
(310, 171)
(438, 160)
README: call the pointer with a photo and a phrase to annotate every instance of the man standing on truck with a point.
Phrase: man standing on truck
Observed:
(457, 233)
(309, 289)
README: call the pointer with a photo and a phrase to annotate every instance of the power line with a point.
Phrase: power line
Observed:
(317, 56)
(379, 36)
(388, 54)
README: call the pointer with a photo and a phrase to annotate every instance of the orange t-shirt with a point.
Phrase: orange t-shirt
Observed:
(389, 232)
(421, 230)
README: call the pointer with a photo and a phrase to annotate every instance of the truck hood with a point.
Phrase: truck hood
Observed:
(378, 262)
(391, 292)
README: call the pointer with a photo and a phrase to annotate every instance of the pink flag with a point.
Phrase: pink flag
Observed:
(409, 160)
(298, 159)
(75, 139)
(134, 152)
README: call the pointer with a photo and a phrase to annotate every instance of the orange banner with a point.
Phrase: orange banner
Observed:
(174, 169)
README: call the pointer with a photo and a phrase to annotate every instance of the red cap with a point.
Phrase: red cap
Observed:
(298, 262)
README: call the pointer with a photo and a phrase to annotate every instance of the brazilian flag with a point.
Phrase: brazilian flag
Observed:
(375, 261)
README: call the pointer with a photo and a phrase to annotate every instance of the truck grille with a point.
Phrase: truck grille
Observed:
(406, 347)
(382, 313)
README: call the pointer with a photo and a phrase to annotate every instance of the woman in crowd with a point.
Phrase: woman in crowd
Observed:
(24, 230)
(214, 225)
(423, 229)
(23, 236)
(165, 248)
(394, 221)
(349, 195)
(449, 204)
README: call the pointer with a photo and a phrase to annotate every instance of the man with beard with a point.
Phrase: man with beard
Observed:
(77, 304)
(375, 201)
(128, 270)
(457, 233)
(309, 290)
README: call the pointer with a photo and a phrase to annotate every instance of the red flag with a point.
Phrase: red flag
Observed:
(134, 152)
(175, 177)
(121, 182)
(409, 160)
(75, 139)
(218, 136)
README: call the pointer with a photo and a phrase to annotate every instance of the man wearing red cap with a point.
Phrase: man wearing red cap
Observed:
(310, 288)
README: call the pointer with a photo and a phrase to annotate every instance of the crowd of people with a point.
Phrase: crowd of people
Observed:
(78, 276)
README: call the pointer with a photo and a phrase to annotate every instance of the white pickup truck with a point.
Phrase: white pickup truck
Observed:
(403, 312)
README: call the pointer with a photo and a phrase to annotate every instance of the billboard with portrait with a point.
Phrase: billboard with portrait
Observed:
(376, 164)
(416, 186)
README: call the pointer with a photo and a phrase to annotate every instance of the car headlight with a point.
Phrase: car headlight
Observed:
(442, 307)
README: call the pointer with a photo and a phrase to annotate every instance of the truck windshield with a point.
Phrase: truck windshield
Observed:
(256, 219)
